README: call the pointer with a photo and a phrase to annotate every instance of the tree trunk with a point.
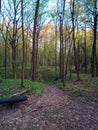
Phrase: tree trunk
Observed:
(96, 66)
(94, 55)
(61, 50)
(73, 38)
(5, 60)
(78, 48)
(56, 47)
(23, 42)
(14, 61)
(37, 40)
(85, 49)
(34, 57)
(0, 5)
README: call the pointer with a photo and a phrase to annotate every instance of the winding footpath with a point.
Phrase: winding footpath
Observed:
(54, 110)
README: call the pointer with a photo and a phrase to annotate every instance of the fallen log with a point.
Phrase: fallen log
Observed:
(13, 99)
(22, 92)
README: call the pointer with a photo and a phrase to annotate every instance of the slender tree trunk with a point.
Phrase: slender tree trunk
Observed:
(23, 42)
(73, 38)
(4, 35)
(79, 61)
(5, 60)
(14, 61)
(85, 49)
(62, 55)
(61, 50)
(26, 52)
(63, 67)
(94, 54)
(62, 47)
(96, 66)
(56, 47)
(6, 45)
(0, 5)
(37, 40)
(78, 48)
(13, 40)
(34, 57)
(67, 60)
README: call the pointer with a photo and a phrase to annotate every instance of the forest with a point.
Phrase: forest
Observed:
(49, 54)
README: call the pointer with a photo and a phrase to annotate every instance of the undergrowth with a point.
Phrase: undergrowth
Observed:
(10, 86)
(87, 87)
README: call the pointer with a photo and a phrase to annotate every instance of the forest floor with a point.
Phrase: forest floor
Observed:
(54, 110)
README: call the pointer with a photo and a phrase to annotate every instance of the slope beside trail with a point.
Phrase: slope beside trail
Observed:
(54, 110)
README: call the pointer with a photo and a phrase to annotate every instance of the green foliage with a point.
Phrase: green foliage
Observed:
(10, 86)
(58, 84)
(47, 54)
(53, 14)
(87, 87)
(46, 73)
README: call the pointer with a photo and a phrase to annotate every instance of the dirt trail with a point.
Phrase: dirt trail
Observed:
(53, 96)
(55, 110)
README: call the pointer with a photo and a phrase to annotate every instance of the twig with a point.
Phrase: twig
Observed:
(22, 92)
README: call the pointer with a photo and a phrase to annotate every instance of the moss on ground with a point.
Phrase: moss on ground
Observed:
(10, 86)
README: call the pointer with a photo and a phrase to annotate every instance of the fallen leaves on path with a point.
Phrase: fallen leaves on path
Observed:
(54, 110)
